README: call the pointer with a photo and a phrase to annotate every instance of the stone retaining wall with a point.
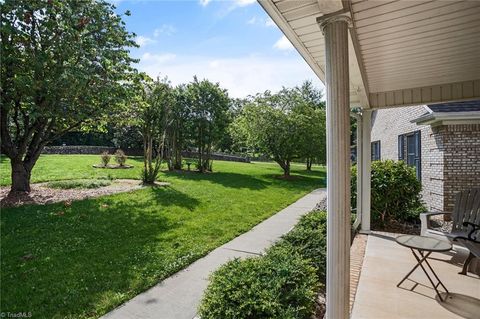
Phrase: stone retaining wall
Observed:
(97, 150)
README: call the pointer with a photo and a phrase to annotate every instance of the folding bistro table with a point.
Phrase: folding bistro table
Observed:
(424, 246)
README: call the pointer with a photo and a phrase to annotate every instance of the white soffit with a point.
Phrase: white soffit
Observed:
(419, 51)
(297, 20)
(405, 52)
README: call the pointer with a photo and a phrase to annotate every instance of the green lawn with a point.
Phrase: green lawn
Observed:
(83, 260)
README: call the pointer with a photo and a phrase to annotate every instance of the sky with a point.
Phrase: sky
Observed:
(232, 42)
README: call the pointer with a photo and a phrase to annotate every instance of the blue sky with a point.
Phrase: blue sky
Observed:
(231, 42)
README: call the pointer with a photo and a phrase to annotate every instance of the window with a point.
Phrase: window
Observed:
(401, 147)
(376, 151)
(412, 152)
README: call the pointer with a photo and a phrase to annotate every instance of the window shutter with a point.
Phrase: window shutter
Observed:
(375, 151)
(418, 155)
(401, 147)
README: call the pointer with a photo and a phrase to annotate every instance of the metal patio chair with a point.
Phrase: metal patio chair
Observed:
(466, 210)
(472, 243)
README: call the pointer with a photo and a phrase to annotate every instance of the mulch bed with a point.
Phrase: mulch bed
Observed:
(40, 194)
(394, 226)
(112, 166)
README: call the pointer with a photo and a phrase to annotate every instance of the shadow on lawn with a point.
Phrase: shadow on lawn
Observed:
(91, 255)
(168, 196)
(299, 179)
(231, 180)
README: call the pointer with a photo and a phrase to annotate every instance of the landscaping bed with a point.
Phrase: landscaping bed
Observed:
(47, 193)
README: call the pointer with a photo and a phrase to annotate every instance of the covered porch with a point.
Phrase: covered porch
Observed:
(373, 55)
(385, 263)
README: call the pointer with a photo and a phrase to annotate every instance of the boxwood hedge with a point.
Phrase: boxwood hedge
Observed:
(283, 283)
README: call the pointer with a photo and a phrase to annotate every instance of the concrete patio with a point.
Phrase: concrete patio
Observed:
(386, 263)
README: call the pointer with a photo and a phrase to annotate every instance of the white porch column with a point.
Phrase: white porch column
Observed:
(366, 168)
(335, 30)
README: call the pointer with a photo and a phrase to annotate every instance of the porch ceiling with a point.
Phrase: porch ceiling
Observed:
(401, 52)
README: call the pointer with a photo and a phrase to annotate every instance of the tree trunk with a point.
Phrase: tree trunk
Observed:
(286, 169)
(200, 150)
(309, 164)
(178, 158)
(179, 148)
(20, 177)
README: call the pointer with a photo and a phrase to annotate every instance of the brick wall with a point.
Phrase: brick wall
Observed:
(462, 159)
(388, 124)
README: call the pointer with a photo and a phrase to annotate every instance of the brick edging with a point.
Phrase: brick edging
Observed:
(357, 253)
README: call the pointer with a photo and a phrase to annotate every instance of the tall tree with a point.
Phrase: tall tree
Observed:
(266, 126)
(312, 143)
(150, 111)
(310, 95)
(64, 64)
(208, 105)
(306, 100)
(178, 130)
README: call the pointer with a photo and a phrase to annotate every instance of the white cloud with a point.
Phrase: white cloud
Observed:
(166, 29)
(283, 44)
(233, 5)
(143, 40)
(157, 58)
(269, 22)
(243, 3)
(204, 3)
(241, 76)
(253, 20)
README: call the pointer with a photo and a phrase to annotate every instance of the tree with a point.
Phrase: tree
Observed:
(313, 148)
(178, 130)
(264, 126)
(311, 95)
(64, 65)
(307, 102)
(208, 106)
(152, 115)
(286, 126)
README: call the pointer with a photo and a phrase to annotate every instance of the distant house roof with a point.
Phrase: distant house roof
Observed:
(467, 106)
(468, 111)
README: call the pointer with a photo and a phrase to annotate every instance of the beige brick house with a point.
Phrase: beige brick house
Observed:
(441, 141)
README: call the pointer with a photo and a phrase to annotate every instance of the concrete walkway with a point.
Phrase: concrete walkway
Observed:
(178, 296)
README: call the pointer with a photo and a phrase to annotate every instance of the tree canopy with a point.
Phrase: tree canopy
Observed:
(66, 67)
(64, 64)
(208, 119)
(286, 126)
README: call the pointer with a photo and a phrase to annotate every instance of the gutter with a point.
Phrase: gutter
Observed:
(447, 116)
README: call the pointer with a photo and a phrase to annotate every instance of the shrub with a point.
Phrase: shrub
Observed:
(309, 239)
(279, 285)
(79, 183)
(149, 176)
(120, 157)
(105, 158)
(395, 191)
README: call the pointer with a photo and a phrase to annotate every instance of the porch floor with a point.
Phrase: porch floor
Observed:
(386, 263)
